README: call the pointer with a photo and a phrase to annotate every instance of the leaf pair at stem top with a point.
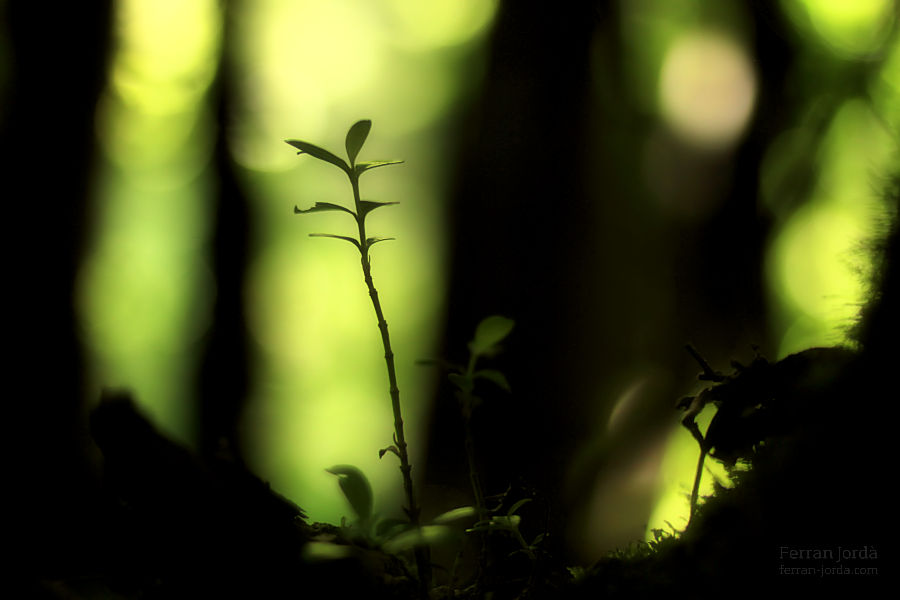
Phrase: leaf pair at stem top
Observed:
(356, 137)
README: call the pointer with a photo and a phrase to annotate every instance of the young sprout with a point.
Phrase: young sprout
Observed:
(355, 139)
(486, 343)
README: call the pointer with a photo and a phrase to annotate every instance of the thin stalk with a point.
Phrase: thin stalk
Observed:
(480, 506)
(484, 559)
(423, 562)
(695, 492)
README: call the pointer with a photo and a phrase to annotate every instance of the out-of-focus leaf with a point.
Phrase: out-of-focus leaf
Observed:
(387, 528)
(465, 384)
(322, 207)
(457, 514)
(320, 153)
(515, 507)
(510, 522)
(356, 489)
(353, 241)
(367, 206)
(504, 523)
(490, 332)
(356, 137)
(494, 376)
(374, 164)
(427, 535)
(317, 552)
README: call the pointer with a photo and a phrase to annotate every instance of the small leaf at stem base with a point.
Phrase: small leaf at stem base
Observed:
(356, 489)
(374, 240)
(391, 448)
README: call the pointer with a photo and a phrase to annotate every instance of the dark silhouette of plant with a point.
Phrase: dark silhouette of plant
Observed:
(485, 343)
(754, 403)
(355, 139)
(488, 335)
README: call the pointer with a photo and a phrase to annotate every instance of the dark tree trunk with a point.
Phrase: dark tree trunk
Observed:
(56, 67)
(224, 372)
(515, 239)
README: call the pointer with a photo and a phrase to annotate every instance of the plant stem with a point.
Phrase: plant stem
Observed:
(484, 559)
(695, 492)
(480, 507)
(423, 563)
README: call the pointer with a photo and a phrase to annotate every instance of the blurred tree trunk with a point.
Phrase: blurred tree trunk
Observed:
(224, 371)
(555, 226)
(56, 68)
(517, 233)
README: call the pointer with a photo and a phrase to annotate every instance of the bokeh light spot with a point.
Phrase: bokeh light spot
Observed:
(145, 289)
(677, 472)
(439, 23)
(817, 264)
(707, 89)
(852, 28)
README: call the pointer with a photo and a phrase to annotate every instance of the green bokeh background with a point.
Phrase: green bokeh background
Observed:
(317, 392)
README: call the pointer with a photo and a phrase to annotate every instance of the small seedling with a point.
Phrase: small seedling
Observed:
(371, 531)
(489, 333)
(369, 528)
(354, 141)
(509, 524)
(486, 343)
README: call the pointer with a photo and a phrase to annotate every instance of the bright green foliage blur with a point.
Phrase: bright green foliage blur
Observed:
(306, 69)
(312, 69)
(145, 287)
(309, 69)
(817, 263)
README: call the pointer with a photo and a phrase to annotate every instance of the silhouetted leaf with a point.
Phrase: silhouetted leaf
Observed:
(367, 206)
(465, 384)
(391, 448)
(374, 164)
(374, 240)
(356, 489)
(388, 528)
(489, 333)
(494, 376)
(320, 153)
(322, 207)
(353, 241)
(356, 137)
(318, 552)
